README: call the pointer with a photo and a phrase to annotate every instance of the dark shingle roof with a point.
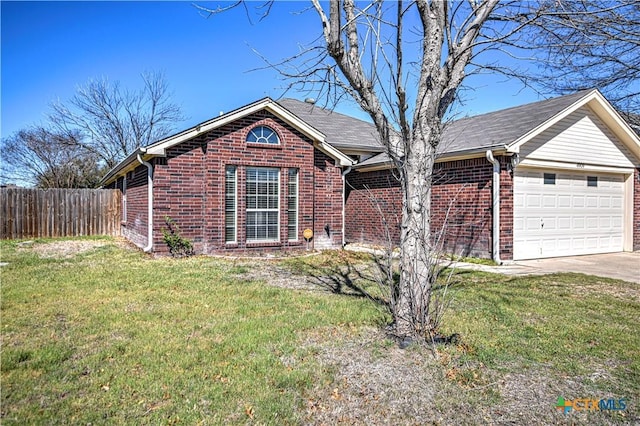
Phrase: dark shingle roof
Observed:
(500, 128)
(342, 131)
(494, 129)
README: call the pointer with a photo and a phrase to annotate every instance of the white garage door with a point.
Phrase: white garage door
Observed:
(561, 213)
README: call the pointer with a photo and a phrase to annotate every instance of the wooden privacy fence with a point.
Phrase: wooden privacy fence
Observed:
(28, 213)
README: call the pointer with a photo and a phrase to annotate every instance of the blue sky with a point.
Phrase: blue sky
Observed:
(49, 48)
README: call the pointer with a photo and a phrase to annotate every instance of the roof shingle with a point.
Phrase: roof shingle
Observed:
(341, 131)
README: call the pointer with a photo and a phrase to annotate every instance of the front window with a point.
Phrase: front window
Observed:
(263, 134)
(230, 210)
(292, 205)
(263, 204)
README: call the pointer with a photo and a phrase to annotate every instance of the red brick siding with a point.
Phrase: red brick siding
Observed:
(506, 209)
(327, 204)
(135, 222)
(461, 203)
(367, 194)
(636, 210)
(189, 185)
(461, 206)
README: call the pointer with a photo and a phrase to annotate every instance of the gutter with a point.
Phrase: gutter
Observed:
(345, 172)
(495, 208)
(149, 167)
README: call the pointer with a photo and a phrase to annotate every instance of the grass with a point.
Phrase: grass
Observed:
(110, 335)
(573, 323)
(115, 336)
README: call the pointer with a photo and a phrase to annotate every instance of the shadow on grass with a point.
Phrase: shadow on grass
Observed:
(346, 278)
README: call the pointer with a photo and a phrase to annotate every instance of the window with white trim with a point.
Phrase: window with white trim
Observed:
(230, 204)
(263, 134)
(292, 205)
(263, 204)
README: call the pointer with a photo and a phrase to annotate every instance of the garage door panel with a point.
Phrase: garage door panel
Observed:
(576, 215)
(564, 223)
(564, 201)
(617, 203)
(549, 201)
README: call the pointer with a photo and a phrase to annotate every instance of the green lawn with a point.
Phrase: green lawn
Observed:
(110, 335)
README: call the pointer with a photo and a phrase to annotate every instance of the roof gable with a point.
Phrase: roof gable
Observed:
(160, 147)
(580, 136)
(603, 111)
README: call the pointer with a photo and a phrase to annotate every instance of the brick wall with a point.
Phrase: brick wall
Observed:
(367, 195)
(135, 222)
(461, 203)
(327, 229)
(506, 210)
(189, 186)
(461, 206)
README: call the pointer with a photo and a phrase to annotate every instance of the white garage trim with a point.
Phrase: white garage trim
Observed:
(574, 166)
(564, 212)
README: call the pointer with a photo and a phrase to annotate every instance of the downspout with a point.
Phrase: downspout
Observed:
(149, 246)
(495, 208)
(345, 172)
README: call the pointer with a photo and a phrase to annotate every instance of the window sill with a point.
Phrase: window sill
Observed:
(263, 145)
(267, 243)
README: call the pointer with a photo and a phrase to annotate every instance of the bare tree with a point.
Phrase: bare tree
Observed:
(591, 43)
(112, 121)
(42, 158)
(404, 63)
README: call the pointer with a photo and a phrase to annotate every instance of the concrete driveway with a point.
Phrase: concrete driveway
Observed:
(623, 266)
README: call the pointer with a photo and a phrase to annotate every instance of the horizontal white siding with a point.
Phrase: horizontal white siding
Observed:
(579, 137)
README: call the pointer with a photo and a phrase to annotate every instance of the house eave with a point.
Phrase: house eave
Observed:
(125, 166)
(159, 148)
(442, 158)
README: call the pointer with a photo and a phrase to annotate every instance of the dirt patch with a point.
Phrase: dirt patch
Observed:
(272, 274)
(625, 292)
(376, 383)
(63, 249)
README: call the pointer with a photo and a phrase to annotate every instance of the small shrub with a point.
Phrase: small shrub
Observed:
(178, 245)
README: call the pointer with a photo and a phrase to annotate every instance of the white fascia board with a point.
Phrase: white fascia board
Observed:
(616, 123)
(159, 148)
(282, 113)
(575, 167)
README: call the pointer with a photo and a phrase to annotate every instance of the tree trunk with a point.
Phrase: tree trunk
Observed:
(411, 311)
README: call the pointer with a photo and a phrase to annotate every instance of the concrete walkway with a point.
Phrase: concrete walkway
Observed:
(623, 266)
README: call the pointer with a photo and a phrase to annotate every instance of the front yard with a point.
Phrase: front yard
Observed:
(96, 332)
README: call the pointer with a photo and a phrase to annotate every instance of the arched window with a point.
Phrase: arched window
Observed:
(263, 134)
